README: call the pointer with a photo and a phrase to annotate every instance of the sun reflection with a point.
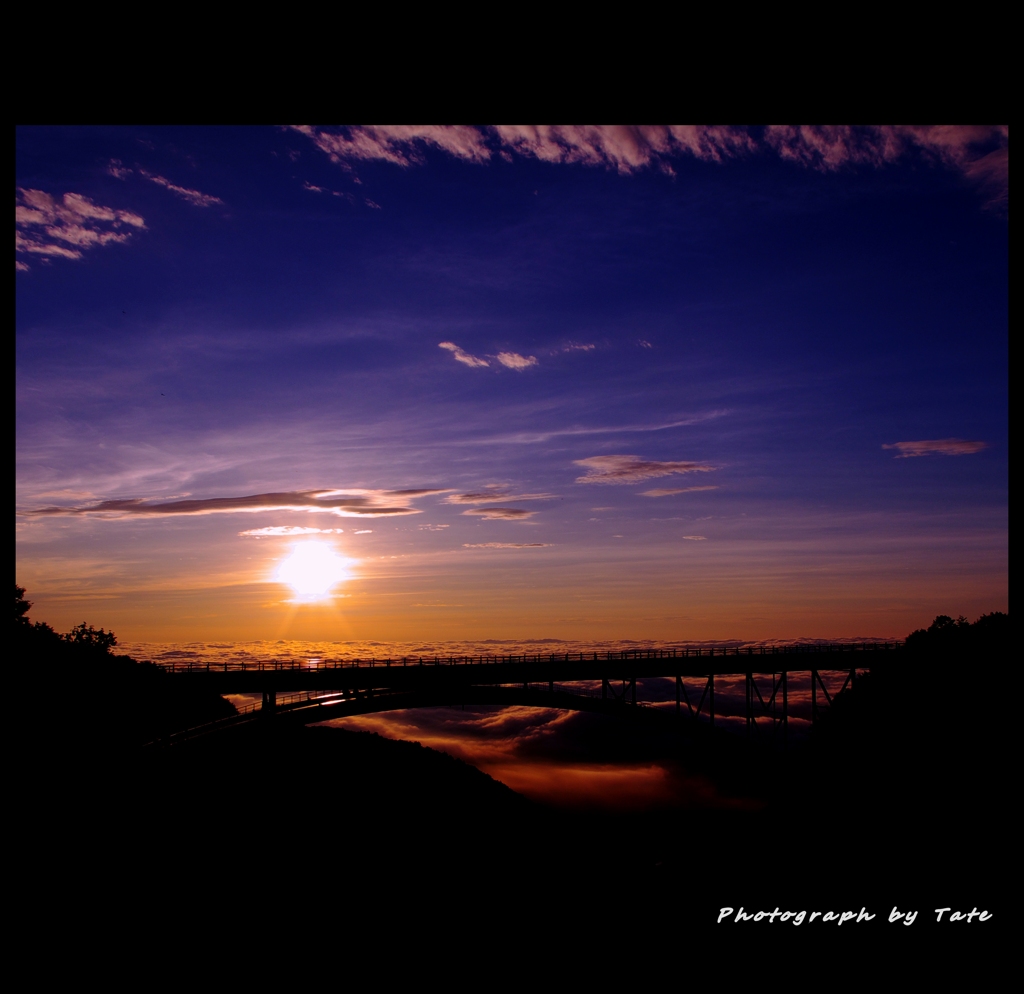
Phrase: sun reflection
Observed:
(312, 570)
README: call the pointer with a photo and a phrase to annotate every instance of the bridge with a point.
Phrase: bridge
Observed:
(319, 690)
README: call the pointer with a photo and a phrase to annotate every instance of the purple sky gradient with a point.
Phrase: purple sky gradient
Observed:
(654, 383)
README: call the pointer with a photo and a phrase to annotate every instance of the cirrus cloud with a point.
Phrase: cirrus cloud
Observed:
(343, 503)
(399, 144)
(506, 545)
(284, 531)
(197, 198)
(194, 197)
(462, 356)
(978, 152)
(632, 469)
(500, 513)
(513, 360)
(937, 447)
(664, 492)
(493, 496)
(66, 228)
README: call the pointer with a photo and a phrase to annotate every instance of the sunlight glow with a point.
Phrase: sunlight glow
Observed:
(312, 570)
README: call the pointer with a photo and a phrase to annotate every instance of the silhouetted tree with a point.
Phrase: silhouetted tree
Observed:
(40, 635)
(103, 700)
(946, 635)
(37, 637)
(21, 606)
(86, 637)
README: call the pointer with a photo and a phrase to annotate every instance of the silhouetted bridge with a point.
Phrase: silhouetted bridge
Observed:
(605, 682)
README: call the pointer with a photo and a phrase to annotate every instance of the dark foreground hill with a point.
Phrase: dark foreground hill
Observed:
(898, 799)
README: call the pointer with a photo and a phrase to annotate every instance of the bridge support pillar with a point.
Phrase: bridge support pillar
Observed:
(604, 689)
(785, 708)
(269, 705)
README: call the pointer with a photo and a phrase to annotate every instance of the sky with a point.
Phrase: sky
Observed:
(397, 383)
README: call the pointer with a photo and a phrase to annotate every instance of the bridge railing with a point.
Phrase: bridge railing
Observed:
(685, 652)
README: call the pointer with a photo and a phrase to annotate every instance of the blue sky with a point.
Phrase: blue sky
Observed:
(802, 334)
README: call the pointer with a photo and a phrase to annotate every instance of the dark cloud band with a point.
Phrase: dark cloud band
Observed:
(362, 503)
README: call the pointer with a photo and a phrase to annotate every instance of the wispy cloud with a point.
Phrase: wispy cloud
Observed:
(543, 436)
(977, 151)
(937, 447)
(695, 538)
(966, 148)
(432, 528)
(66, 228)
(344, 503)
(350, 198)
(661, 492)
(493, 496)
(285, 531)
(624, 148)
(461, 356)
(506, 545)
(197, 198)
(513, 360)
(500, 513)
(632, 469)
(118, 170)
(194, 197)
(399, 144)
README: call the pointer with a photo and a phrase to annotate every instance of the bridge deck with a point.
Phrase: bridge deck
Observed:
(417, 672)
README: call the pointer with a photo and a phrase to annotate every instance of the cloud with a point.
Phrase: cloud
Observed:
(460, 356)
(695, 538)
(501, 513)
(506, 545)
(398, 144)
(363, 531)
(624, 148)
(544, 436)
(280, 531)
(965, 148)
(432, 528)
(659, 492)
(977, 151)
(513, 360)
(992, 173)
(194, 197)
(344, 503)
(575, 347)
(566, 759)
(491, 496)
(632, 469)
(66, 228)
(937, 447)
(118, 170)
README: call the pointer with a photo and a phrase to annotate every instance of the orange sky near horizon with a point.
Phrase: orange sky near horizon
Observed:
(194, 579)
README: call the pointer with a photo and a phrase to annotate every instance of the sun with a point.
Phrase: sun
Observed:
(312, 570)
